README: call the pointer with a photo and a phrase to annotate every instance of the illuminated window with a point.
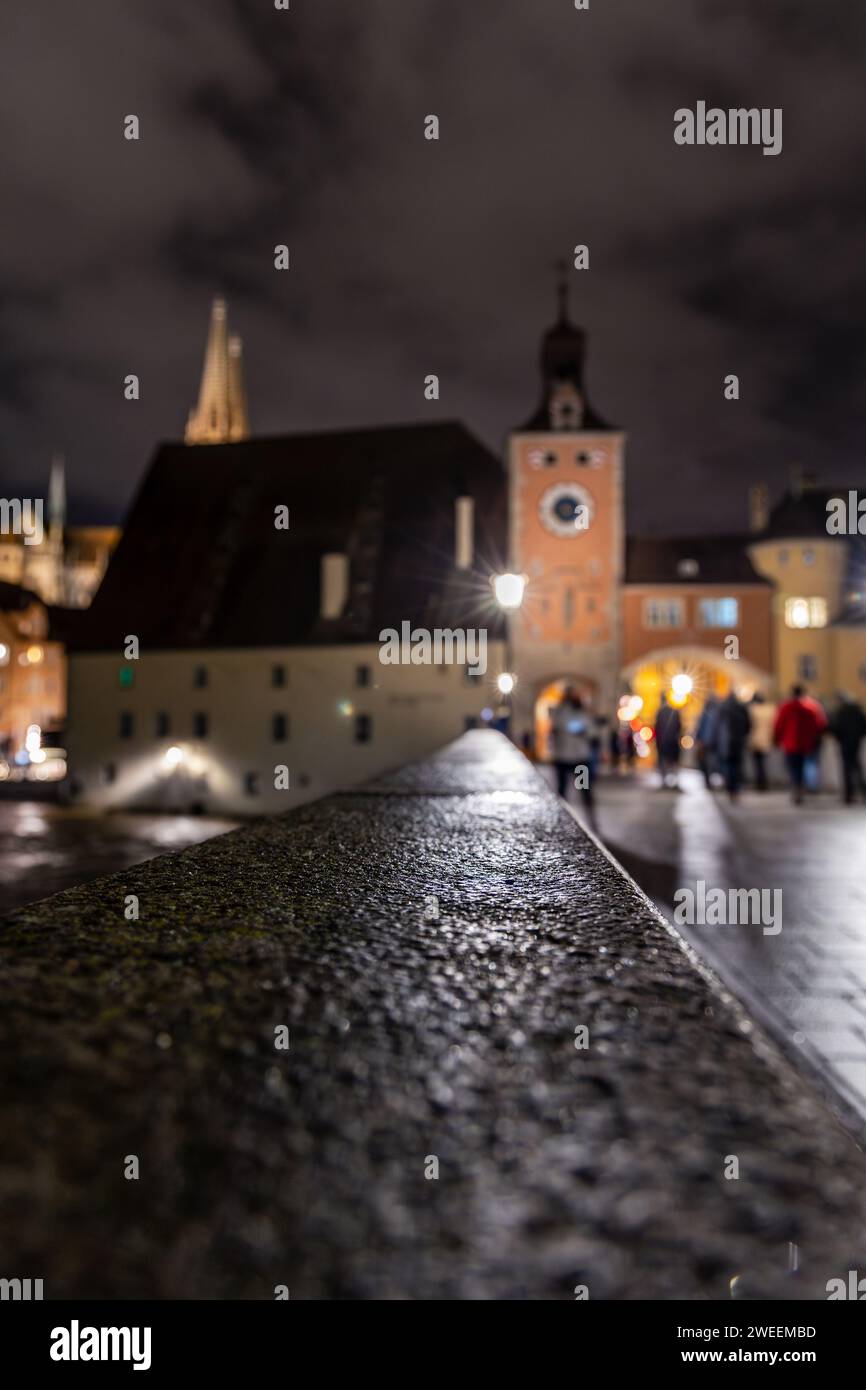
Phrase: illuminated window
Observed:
(663, 612)
(807, 667)
(718, 612)
(808, 555)
(805, 612)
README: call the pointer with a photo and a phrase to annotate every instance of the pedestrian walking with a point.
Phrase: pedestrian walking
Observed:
(848, 727)
(732, 732)
(574, 744)
(797, 730)
(763, 718)
(705, 739)
(667, 732)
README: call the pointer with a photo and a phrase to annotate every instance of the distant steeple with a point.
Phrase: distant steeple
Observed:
(44, 566)
(57, 496)
(221, 414)
(563, 405)
(239, 427)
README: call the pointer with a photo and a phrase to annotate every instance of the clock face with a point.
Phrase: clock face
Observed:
(566, 509)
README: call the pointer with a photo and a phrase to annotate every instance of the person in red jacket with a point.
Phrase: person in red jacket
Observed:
(799, 725)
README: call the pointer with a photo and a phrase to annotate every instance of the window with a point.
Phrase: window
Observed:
(568, 607)
(251, 784)
(126, 676)
(718, 612)
(808, 555)
(200, 677)
(278, 677)
(363, 728)
(663, 612)
(163, 724)
(109, 772)
(199, 725)
(783, 557)
(805, 612)
(362, 675)
(126, 724)
(279, 728)
(807, 667)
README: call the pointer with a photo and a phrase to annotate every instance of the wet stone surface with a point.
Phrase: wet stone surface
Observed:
(411, 1036)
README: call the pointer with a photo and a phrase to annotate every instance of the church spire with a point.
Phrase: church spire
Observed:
(221, 414)
(239, 427)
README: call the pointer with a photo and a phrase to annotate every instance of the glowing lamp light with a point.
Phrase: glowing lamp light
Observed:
(681, 686)
(172, 757)
(647, 733)
(33, 740)
(346, 708)
(509, 589)
(4, 653)
(505, 683)
(34, 655)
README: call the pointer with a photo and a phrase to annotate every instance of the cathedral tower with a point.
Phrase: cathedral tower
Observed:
(44, 565)
(221, 414)
(566, 511)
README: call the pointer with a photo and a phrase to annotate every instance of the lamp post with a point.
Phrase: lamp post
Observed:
(509, 590)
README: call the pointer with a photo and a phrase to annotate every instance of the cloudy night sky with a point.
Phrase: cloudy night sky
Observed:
(408, 257)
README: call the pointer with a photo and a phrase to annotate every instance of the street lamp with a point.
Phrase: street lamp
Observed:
(505, 683)
(509, 590)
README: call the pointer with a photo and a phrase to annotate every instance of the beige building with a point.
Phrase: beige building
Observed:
(819, 604)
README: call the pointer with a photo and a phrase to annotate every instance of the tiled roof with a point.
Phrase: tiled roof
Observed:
(200, 563)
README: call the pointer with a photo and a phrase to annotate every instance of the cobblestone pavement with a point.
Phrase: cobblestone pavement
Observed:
(808, 983)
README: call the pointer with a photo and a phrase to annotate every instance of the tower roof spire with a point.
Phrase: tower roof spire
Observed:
(220, 416)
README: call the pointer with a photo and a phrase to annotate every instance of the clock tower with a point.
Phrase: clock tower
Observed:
(566, 510)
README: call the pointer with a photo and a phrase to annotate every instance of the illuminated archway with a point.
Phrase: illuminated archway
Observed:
(702, 671)
(547, 696)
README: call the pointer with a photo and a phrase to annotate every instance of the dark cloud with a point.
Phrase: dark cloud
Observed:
(261, 127)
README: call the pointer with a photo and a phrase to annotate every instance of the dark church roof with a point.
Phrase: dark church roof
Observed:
(690, 560)
(200, 563)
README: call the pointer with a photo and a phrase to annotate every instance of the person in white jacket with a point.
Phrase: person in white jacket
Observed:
(763, 718)
(572, 743)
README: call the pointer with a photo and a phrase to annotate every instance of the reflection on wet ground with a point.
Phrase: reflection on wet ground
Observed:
(45, 848)
(805, 982)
